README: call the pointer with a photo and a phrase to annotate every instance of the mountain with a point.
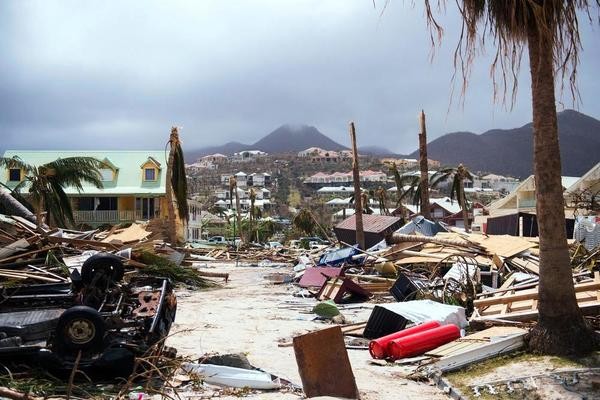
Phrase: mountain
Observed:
(295, 138)
(509, 151)
(378, 151)
(285, 139)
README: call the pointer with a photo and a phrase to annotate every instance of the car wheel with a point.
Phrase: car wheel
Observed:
(80, 328)
(102, 267)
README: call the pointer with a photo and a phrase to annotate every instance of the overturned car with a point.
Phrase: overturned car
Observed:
(100, 320)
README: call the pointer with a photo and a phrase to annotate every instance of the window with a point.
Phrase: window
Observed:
(106, 174)
(149, 174)
(14, 175)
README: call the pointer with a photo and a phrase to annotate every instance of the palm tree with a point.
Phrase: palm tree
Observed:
(304, 221)
(424, 167)
(233, 191)
(458, 176)
(366, 209)
(46, 184)
(381, 195)
(251, 216)
(412, 183)
(176, 185)
(549, 30)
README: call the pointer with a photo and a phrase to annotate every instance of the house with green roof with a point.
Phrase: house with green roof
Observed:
(133, 184)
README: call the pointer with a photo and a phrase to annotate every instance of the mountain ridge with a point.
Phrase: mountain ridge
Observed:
(510, 151)
(502, 151)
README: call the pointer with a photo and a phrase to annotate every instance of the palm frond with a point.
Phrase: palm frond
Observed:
(442, 175)
(15, 162)
(74, 171)
(179, 183)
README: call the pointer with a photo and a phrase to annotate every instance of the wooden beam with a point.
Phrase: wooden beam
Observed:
(583, 287)
(82, 242)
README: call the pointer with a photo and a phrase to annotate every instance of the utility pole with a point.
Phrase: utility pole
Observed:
(423, 162)
(360, 234)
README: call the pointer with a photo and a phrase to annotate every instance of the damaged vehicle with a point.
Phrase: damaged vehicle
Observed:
(99, 321)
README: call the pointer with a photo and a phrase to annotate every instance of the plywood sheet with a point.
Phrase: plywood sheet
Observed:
(324, 365)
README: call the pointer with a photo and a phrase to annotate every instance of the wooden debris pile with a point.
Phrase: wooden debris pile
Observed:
(33, 255)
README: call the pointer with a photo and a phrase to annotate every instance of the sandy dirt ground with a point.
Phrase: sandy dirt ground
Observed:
(251, 316)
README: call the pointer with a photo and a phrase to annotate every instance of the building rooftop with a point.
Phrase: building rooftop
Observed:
(128, 178)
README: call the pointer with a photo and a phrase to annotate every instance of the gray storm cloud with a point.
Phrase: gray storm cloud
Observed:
(110, 74)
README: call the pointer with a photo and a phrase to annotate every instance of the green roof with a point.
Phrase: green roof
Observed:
(128, 180)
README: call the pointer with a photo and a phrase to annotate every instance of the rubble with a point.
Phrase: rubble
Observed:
(478, 293)
(85, 300)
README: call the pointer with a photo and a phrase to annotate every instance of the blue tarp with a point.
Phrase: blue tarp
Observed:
(337, 257)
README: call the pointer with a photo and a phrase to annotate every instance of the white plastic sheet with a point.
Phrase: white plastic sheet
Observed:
(232, 377)
(419, 311)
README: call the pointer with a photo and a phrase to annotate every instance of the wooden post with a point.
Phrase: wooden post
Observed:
(424, 184)
(360, 234)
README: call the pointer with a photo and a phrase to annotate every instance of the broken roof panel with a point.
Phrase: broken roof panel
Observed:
(371, 223)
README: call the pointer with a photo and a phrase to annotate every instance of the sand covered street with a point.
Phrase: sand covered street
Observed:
(249, 315)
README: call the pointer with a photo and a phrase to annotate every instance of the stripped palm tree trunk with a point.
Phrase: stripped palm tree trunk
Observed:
(358, 208)
(425, 209)
(172, 223)
(561, 327)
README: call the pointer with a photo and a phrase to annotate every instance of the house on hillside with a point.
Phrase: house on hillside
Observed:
(335, 190)
(262, 200)
(248, 155)
(260, 179)
(216, 158)
(244, 180)
(345, 178)
(409, 163)
(201, 222)
(134, 184)
(498, 183)
(318, 155)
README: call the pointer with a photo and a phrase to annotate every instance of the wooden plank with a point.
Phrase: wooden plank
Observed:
(587, 308)
(82, 242)
(29, 253)
(474, 340)
(583, 287)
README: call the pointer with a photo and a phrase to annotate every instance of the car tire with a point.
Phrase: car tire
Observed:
(106, 264)
(80, 328)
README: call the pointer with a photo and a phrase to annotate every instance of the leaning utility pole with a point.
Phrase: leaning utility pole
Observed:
(360, 233)
(424, 184)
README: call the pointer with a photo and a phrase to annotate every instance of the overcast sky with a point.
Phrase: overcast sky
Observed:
(118, 74)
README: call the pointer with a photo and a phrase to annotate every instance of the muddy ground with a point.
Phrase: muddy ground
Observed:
(249, 315)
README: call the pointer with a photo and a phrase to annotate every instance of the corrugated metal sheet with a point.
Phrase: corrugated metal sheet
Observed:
(371, 223)
(421, 225)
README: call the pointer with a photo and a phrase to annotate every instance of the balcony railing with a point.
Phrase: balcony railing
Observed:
(107, 216)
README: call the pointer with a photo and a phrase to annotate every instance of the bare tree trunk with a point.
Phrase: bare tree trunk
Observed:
(39, 209)
(238, 216)
(463, 205)
(171, 223)
(360, 234)
(561, 328)
(425, 211)
(14, 207)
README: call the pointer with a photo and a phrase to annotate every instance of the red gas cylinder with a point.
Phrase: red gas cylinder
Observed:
(378, 347)
(421, 342)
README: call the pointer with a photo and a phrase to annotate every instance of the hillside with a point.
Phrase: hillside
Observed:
(509, 151)
(285, 139)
